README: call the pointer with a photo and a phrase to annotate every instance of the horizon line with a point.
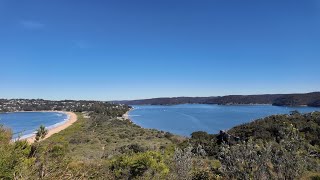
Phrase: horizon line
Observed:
(160, 97)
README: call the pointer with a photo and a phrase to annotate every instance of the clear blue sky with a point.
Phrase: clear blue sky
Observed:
(106, 50)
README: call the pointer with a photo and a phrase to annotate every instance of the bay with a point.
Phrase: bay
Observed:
(187, 118)
(24, 124)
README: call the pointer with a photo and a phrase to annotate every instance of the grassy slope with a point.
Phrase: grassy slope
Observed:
(103, 137)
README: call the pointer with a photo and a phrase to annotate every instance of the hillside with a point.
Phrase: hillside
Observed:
(268, 128)
(308, 99)
(275, 147)
(106, 146)
(168, 101)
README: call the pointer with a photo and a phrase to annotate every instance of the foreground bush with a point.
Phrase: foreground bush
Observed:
(148, 164)
(287, 159)
(14, 157)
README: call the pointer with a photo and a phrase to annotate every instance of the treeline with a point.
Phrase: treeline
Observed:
(308, 99)
(167, 101)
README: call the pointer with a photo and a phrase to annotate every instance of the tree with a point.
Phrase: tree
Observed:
(41, 133)
(294, 112)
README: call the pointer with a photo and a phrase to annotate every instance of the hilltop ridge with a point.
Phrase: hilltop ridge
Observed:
(297, 99)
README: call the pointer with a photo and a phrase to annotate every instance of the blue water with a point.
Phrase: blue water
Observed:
(23, 124)
(187, 118)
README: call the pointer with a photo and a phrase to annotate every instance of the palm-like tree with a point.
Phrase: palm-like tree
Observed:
(41, 133)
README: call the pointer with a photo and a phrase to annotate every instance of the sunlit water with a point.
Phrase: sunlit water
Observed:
(187, 118)
(24, 124)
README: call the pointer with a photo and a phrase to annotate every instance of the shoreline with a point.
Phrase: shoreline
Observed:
(72, 117)
(228, 104)
(126, 115)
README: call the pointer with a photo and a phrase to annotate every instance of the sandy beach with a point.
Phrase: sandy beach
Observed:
(71, 120)
(126, 115)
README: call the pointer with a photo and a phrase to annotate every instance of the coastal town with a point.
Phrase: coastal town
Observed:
(15, 105)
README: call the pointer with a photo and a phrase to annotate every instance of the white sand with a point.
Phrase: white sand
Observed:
(70, 121)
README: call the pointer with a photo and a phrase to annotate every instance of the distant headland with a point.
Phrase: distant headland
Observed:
(298, 99)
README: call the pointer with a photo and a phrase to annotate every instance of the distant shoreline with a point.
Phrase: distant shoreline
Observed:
(72, 117)
(206, 104)
(311, 99)
(186, 119)
(219, 104)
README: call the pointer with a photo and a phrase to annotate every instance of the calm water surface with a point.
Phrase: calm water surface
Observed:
(187, 118)
(25, 123)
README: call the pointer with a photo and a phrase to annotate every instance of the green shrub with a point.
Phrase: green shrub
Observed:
(57, 151)
(132, 148)
(168, 135)
(14, 156)
(138, 164)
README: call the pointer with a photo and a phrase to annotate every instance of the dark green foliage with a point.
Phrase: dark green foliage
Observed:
(132, 148)
(14, 157)
(269, 128)
(208, 142)
(5, 135)
(295, 112)
(168, 135)
(57, 151)
(199, 135)
(287, 159)
(41, 133)
(276, 147)
(310, 99)
(138, 164)
(287, 101)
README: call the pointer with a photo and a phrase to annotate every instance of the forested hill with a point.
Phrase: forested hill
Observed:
(168, 101)
(308, 99)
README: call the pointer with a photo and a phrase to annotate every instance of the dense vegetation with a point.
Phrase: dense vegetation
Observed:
(104, 146)
(167, 101)
(309, 99)
(12, 105)
(276, 147)
(100, 147)
(268, 128)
